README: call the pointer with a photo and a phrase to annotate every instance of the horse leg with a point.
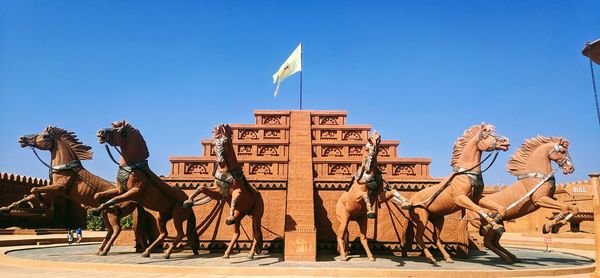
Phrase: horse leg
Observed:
(26, 199)
(190, 201)
(343, 218)
(565, 209)
(488, 242)
(496, 243)
(178, 223)
(129, 195)
(362, 224)
(109, 232)
(491, 205)
(162, 228)
(419, 217)
(438, 224)
(370, 213)
(256, 232)
(114, 221)
(106, 193)
(466, 202)
(231, 219)
(234, 239)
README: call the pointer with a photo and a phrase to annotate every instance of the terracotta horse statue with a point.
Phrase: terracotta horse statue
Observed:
(70, 179)
(358, 203)
(136, 182)
(460, 190)
(534, 188)
(231, 184)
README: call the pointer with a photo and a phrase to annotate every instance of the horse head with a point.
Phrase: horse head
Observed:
(125, 136)
(42, 141)
(559, 153)
(489, 140)
(372, 149)
(222, 139)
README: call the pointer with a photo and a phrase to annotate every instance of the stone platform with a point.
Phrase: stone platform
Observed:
(122, 259)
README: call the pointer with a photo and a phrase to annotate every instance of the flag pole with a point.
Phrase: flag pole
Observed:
(301, 78)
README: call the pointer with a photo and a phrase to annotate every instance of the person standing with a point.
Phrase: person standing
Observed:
(69, 236)
(79, 234)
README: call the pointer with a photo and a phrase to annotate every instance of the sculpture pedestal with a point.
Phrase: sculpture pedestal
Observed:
(300, 246)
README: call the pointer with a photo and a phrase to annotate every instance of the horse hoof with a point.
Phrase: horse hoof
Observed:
(145, 255)
(166, 256)
(226, 256)
(500, 230)
(544, 230)
(230, 221)
(555, 229)
(187, 204)
(449, 261)
(371, 259)
(432, 261)
(251, 256)
(483, 230)
(102, 253)
(372, 215)
(341, 258)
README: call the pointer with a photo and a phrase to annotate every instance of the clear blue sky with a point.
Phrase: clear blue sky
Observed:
(420, 72)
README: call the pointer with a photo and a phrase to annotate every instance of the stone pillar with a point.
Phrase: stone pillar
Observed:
(594, 180)
(300, 232)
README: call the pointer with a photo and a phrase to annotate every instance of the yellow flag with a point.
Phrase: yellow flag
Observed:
(292, 65)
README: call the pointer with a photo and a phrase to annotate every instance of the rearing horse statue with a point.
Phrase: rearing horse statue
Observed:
(231, 184)
(136, 182)
(358, 203)
(534, 188)
(459, 190)
(70, 179)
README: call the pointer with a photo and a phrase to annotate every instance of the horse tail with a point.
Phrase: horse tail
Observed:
(192, 233)
(257, 214)
(406, 231)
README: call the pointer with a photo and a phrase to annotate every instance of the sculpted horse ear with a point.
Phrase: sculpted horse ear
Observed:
(564, 142)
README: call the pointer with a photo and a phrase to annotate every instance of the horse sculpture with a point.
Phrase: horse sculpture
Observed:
(534, 188)
(136, 182)
(459, 190)
(231, 184)
(71, 180)
(358, 203)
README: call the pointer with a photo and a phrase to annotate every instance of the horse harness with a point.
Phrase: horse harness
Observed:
(125, 172)
(476, 178)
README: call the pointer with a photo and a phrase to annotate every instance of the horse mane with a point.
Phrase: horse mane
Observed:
(81, 151)
(462, 141)
(518, 161)
(133, 134)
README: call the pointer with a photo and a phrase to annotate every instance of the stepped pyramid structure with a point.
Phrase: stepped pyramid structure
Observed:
(301, 162)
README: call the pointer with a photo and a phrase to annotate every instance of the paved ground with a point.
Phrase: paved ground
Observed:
(531, 259)
(125, 255)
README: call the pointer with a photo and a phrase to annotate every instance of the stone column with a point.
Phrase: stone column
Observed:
(300, 231)
(594, 180)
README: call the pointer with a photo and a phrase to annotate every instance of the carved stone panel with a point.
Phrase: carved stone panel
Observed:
(195, 168)
(342, 169)
(272, 134)
(328, 120)
(271, 120)
(328, 134)
(245, 134)
(355, 151)
(244, 150)
(404, 170)
(332, 151)
(268, 151)
(384, 151)
(351, 135)
(261, 169)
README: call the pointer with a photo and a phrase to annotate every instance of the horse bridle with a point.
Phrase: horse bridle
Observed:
(567, 159)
